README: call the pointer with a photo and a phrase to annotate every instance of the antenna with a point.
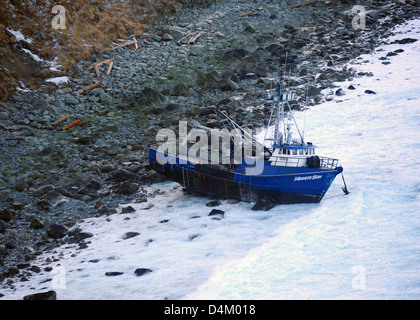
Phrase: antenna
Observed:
(306, 108)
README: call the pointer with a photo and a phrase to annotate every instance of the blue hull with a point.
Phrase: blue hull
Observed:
(278, 184)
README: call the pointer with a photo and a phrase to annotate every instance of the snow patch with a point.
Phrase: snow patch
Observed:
(19, 36)
(58, 80)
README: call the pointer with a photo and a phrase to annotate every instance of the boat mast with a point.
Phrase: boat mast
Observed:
(282, 135)
(277, 99)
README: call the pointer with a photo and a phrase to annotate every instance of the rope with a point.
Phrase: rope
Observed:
(345, 190)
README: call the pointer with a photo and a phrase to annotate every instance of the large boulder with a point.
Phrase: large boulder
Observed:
(49, 295)
(56, 231)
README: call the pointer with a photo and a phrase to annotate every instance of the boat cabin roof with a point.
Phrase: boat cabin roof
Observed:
(294, 147)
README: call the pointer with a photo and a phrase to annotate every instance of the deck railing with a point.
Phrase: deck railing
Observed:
(324, 162)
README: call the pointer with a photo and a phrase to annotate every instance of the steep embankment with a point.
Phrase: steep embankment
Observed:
(88, 27)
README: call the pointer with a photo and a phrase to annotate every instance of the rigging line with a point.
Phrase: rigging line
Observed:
(268, 124)
(231, 138)
(236, 148)
(234, 124)
(294, 120)
(345, 190)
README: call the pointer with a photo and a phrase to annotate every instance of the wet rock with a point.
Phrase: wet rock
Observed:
(406, 41)
(228, 85)
(22, 265)
(214, 203)
(91, 188)
(128, 209)
(207, 111)
(83, 140)
(130, 234)
(351, 87)
(2, 226)
(245, 67)
(107, 168)
(13, 270)
(71, 100)
(142, 271)
(147, 97)
(167, 37)
(10, 240)
(263, 204)
(7, 214)
(113, 273)
(179, 90)
(267, 83)
(235, 54)
(35, 269)
(43, 190)
(56, 231)
(17, 206)
(49, 295)
(340, 92)
(250, 29)
(78, 236)
(261, 70)
(121, 175)
(313, 91)
(103, 209)
(171, 106)
(37, 223)
(111, 151)
(4, 115)
(211, 79)
(370, 91)
(193, 236)
(3, 251)
(127, 188)
(43, 204)
(216, 212)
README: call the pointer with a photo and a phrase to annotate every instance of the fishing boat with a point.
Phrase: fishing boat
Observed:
(285, 171)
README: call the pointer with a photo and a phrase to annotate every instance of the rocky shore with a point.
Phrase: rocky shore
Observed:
(51, 178)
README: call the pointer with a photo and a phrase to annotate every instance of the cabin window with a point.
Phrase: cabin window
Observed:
(284, 151)
(300, 152)
(288, 152)
(295, 152)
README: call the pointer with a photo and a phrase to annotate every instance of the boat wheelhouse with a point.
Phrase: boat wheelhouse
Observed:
(290, 170)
